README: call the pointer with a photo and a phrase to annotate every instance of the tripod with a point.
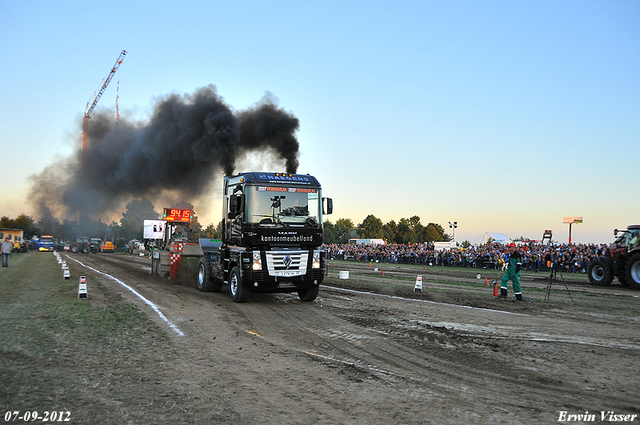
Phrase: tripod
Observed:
(553, 277)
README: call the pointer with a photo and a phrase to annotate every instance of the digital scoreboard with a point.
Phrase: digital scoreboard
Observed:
(177, 215)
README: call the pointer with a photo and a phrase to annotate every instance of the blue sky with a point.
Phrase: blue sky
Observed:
(503, 116)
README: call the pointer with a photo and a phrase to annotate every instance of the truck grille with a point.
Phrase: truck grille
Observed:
(287, 263)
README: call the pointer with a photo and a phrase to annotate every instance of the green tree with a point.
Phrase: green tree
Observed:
(403, 234)
(213, 232)
(70, 230)
(416, 230)
(132, 221)
(5, 222)
(436, 233)
(344, 230)
(329, 232)
(113, 232)
(91, 228)
(47, 223)
(28, 226)
(371, 228)
(390, 232)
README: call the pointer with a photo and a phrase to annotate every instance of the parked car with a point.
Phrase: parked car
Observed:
(132, 245)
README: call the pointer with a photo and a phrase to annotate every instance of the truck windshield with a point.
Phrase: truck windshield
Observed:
(283, 205)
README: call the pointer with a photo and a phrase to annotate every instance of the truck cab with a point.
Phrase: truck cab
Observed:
(272, 236)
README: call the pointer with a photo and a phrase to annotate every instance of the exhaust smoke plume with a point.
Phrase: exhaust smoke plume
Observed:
(184, 146)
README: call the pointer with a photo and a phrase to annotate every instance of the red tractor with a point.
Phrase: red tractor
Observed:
(621, 260)
(82, 245)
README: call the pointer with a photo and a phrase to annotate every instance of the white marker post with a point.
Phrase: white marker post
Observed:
(418, 287)
(82, 288)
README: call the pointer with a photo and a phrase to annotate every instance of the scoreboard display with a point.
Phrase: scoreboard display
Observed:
(177, 215)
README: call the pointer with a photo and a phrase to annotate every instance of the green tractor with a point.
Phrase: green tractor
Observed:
(621, 260)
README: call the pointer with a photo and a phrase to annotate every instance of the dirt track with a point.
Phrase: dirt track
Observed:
(362, 353)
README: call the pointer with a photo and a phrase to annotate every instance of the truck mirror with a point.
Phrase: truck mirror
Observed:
(236, 205)
(240, 207)
(327, 206)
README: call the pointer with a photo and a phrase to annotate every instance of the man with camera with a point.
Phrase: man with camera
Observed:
(512, 273)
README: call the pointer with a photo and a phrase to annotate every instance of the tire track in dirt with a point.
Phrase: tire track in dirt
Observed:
(404, 356)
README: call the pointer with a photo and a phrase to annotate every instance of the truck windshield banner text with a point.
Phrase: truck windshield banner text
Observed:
(285, 189)
(286, 238)
(284, 178)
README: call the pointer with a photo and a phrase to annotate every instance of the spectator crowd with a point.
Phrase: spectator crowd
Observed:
(536, 256)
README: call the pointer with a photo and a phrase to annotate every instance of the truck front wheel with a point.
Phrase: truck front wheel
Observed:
(633, 271)
(205, 282)
(600, 273)
(308, 295)
(74, 248)
(239, 293)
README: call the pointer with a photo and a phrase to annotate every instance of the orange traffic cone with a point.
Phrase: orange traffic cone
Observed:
(486, 281)
(369, 263)
(495, 289)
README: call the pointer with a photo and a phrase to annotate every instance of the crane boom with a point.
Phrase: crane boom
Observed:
(96, 97)
(91, 105)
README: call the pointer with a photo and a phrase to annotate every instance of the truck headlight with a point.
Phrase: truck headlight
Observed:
(257, 261)
(315, 263)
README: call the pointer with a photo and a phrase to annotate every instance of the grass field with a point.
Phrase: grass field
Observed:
(55, 346)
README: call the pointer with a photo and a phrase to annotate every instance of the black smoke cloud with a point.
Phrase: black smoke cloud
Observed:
(188, 141)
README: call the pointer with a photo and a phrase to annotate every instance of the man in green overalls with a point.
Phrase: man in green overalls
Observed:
(512, 273)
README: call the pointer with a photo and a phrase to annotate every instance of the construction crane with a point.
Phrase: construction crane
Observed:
(91, 104)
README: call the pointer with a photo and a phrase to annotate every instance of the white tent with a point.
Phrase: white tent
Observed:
(496, 237)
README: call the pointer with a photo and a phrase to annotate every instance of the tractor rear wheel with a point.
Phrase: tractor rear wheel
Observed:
(600, 273)
(207, 283)
(633, 271)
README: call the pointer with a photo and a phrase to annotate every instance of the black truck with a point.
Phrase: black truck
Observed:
(272, 237)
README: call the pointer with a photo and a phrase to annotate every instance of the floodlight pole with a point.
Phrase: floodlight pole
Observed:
(453, 226)
(570, 221)
(570, 233)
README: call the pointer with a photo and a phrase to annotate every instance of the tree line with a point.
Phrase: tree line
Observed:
(130, 226)
(407, 230)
